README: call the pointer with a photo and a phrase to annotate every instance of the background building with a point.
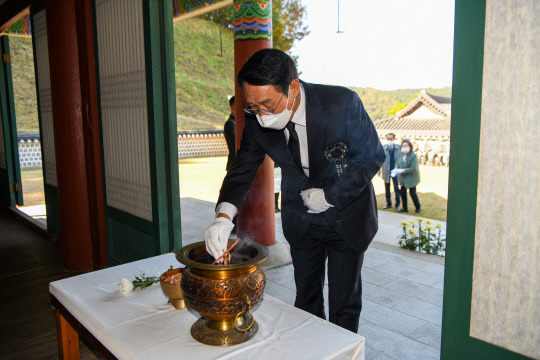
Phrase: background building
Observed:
(425, 121)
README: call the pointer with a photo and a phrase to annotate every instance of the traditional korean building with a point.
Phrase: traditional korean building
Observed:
(425, 121)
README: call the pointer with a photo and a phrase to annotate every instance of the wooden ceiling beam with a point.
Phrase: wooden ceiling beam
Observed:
(13, 10)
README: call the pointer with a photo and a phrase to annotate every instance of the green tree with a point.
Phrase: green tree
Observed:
(288, 23)
(396, 108)
(223, 16)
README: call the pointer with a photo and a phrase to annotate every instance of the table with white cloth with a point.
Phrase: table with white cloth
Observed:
(142, 325)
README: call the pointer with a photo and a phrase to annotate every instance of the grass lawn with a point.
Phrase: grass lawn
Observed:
(432, 193)
(32, 184)
(201, 178)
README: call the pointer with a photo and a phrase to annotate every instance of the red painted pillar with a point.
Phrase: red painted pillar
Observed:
(253, 32)
(92, 136)
(73, 160)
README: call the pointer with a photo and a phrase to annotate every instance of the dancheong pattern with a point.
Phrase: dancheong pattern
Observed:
(20, 28)
(252, 20)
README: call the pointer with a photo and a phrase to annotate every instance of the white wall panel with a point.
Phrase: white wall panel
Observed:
(45, 102)
(124, 113)
(505, 305)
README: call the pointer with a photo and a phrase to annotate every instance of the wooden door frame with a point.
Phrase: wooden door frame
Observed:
(165, 227)
(9, 123)
(50, 191)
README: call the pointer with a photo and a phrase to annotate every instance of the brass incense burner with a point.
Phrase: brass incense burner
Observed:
(223, 294)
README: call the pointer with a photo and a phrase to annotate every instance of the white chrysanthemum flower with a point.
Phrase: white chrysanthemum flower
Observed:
(420, 219)
(412, 232)
(405, 223)
(429, 227)
(126, 286)
(411, 222)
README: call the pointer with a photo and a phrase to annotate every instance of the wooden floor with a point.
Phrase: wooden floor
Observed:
(28, 263)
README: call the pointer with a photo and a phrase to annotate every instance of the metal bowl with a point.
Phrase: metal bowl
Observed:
(173, 291)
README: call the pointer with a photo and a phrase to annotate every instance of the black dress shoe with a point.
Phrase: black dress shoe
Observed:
(402, 211)
(387, 207)
(417, 211)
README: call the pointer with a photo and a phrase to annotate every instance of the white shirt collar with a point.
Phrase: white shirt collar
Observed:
(299, 116)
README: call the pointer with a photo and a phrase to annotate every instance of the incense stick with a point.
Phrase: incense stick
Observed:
(226, 252)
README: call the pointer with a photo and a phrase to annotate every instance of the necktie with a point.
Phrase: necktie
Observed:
(294, 144)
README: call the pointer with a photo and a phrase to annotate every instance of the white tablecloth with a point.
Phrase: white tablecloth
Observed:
(141, 325)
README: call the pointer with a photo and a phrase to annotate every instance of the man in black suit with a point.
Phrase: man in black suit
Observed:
(328, 150)
(229, 131)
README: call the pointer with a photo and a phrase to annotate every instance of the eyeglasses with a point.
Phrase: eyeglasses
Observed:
(252, 111)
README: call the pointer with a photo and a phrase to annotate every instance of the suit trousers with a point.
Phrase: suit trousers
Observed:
(319, 244)
(394, 181)
(414, 197)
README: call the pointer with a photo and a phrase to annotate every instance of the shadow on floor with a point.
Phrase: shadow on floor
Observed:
(28, 263)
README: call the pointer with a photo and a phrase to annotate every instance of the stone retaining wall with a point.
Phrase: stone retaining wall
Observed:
(193, 143)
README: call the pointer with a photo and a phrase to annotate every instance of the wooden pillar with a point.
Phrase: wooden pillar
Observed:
(87, 69)
(253, 32)
(76, 129)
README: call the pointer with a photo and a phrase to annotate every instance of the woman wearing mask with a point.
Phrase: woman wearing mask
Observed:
(409, 175)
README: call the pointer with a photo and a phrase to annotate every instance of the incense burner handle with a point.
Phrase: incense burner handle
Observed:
(244, 314)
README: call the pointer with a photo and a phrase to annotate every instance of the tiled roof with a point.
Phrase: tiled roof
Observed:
(405, 123)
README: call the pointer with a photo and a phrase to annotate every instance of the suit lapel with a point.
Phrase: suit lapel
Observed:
(316, 133)
(275, 145)
(316, 130)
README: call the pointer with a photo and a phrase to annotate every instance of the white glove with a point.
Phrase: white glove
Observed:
(315, 201)
(217, 235)
(394, 172)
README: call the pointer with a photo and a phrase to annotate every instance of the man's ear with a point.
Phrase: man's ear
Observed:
(295, 87)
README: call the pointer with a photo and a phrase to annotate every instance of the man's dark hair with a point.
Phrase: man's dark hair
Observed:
(231, 101)
(393, 135)
(269, 67)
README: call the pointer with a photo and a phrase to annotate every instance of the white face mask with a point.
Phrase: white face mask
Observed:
(389, 142)
(277, 121)
(405, 150)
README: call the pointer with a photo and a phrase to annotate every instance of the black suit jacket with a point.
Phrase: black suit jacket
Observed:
(229, 131)
(333, 115)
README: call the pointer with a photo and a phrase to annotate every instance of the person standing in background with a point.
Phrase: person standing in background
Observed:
(392, 152)
(409, 175)
(229, 130)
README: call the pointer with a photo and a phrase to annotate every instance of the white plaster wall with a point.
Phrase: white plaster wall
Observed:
(505, 308)
(45, 100)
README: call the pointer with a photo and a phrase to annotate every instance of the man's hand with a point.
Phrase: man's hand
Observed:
(217, 235)
(315, 201)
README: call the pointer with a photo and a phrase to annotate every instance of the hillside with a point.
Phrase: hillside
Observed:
(204, 80)
(379, 103)
(24, 87)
